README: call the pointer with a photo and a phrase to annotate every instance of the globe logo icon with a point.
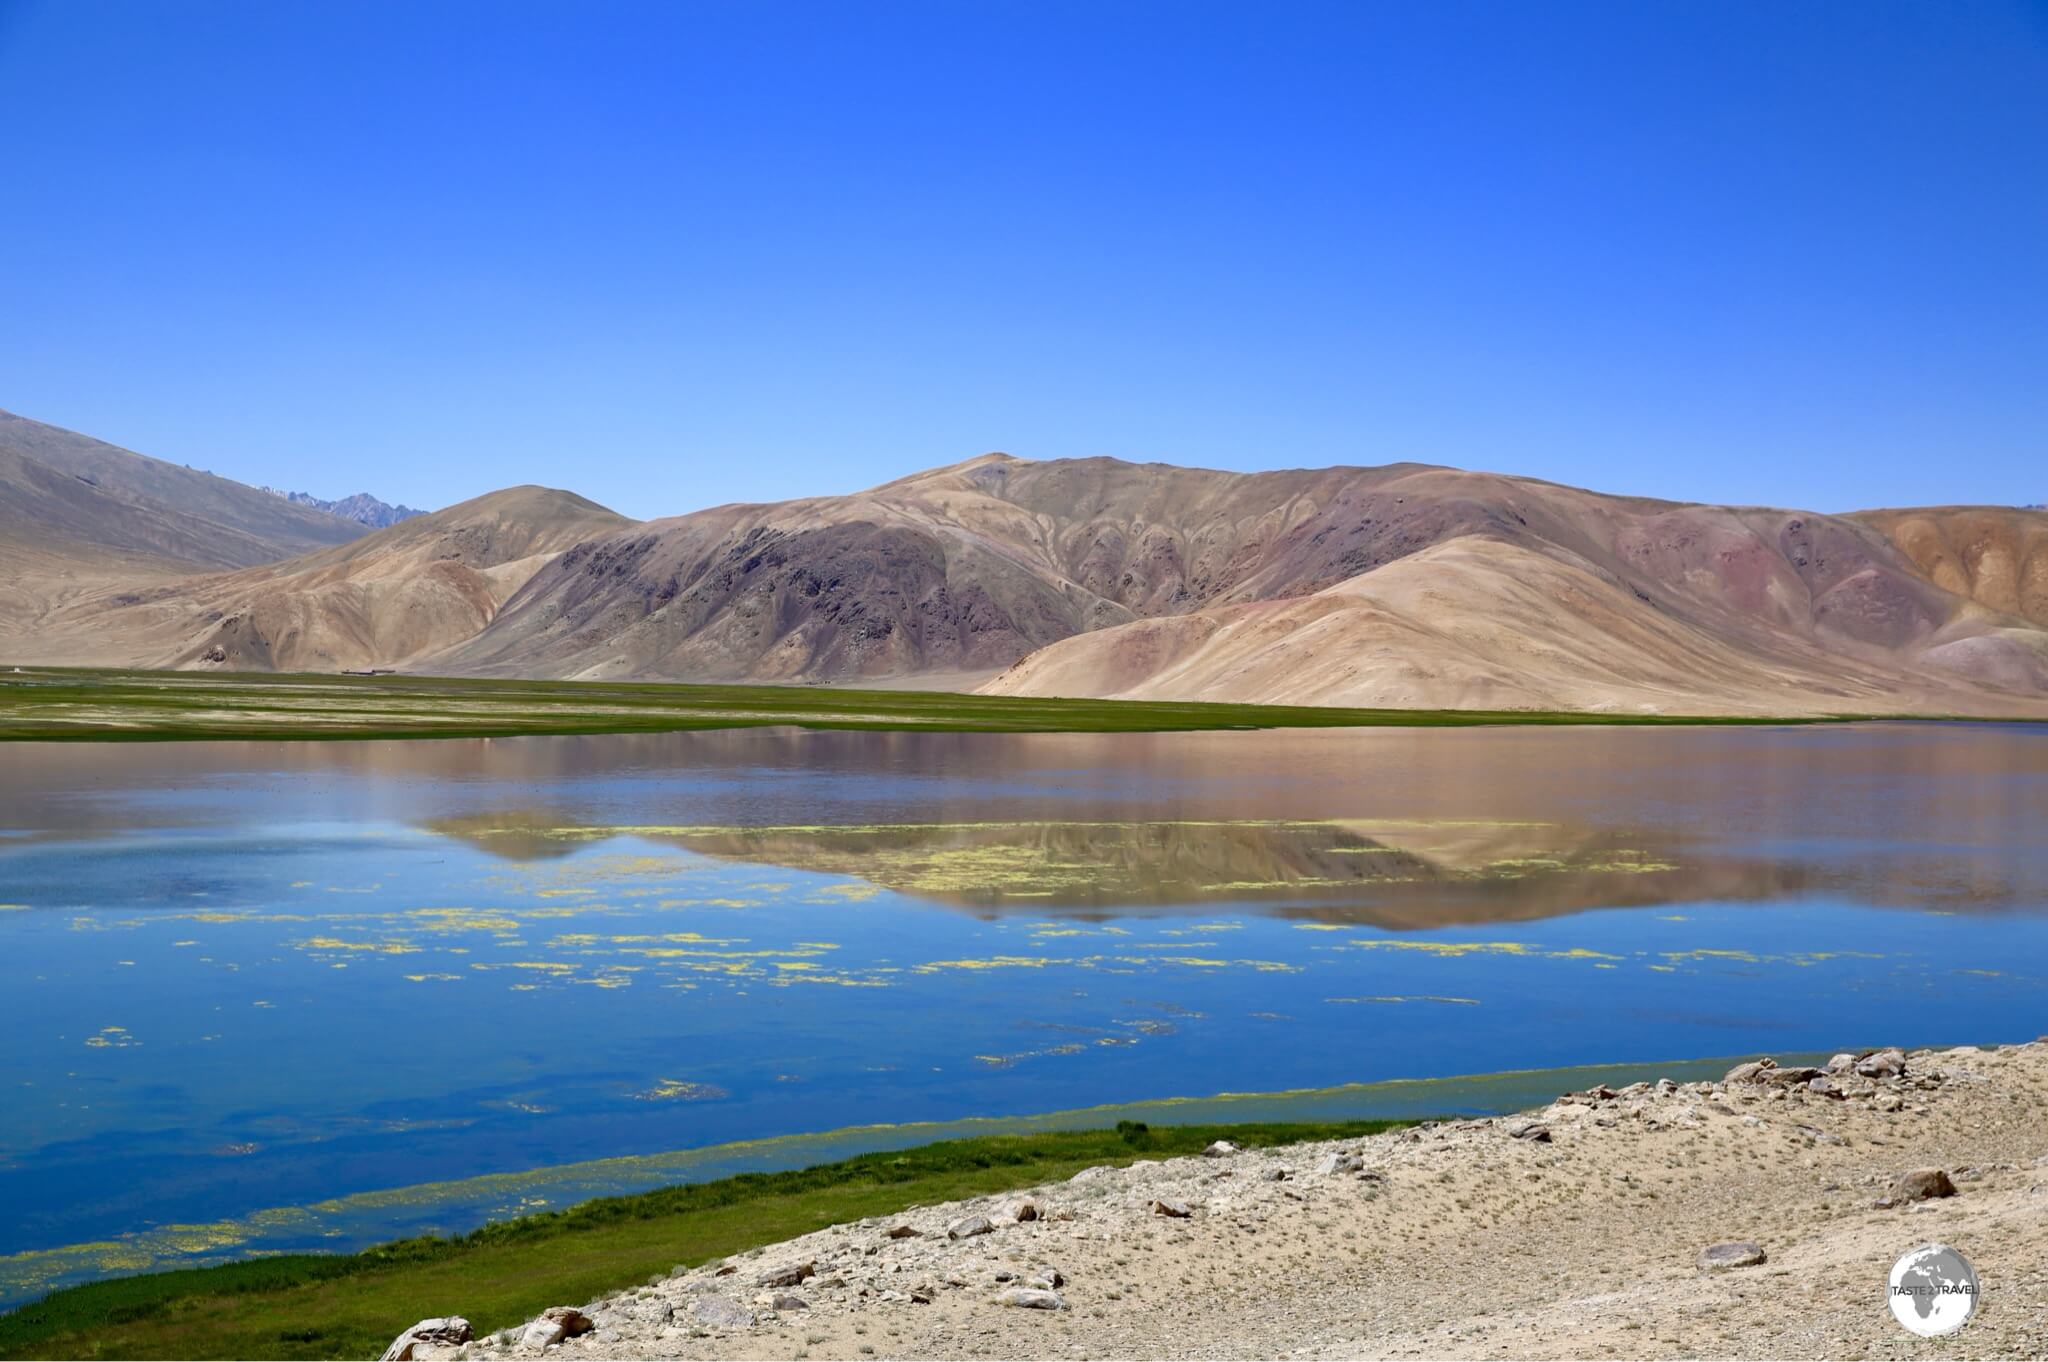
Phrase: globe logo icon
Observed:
(1932, 1290)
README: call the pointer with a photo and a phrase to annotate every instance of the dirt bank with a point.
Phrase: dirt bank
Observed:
(1574, 1230)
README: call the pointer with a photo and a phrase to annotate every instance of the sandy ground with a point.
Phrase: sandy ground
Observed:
(1465, 1239)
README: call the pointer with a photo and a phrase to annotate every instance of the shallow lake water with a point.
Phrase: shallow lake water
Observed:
(276, 995)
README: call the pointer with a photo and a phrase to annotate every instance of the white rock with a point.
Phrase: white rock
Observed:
(1031, 1298)
(720, 1312)
(439, 1332)
(542, 1333)
(1883, 1064)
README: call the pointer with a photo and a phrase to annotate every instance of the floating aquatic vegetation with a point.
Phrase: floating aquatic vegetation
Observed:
(112, 1038)
(849, 893)
(682, 1090)
(334, 943)
(462, 920)
(1007, 1061)
(1626, 863)
(993, 962)
(1204, 962)
(1107, 962)
(1455, 949)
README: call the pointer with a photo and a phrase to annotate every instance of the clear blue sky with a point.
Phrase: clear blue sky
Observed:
(674, 254)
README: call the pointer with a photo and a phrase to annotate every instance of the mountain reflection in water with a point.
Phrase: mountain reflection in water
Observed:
(1389, 873)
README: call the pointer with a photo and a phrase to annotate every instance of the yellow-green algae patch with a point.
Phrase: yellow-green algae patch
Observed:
(682, 1090)
(993, 962)
(333, 943)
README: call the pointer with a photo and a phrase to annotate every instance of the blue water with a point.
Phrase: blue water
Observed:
(249, 976)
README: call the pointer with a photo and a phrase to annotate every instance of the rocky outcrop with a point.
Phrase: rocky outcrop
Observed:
(362, 508)
(426, 1336)
(1921, 1184)
(1739, 1253)
(552, 1326)
(789, 1274)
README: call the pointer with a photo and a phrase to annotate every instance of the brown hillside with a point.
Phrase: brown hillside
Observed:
(1398, 585)
(381, 601)
(1994, 555)
(67, 499)
(1401, 585)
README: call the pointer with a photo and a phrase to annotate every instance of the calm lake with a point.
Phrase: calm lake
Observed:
(277, 995)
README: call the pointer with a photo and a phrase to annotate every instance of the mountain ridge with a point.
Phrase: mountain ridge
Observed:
(378, 601)
(79, 501)
(1403, 585)
(1097, 577)
(362, 508)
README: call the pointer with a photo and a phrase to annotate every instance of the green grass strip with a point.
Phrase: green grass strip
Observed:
(352, 1305)
(55, 704)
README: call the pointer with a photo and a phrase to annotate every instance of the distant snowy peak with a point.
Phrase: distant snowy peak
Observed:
(362, 508)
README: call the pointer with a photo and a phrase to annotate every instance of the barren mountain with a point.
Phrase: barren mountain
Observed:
(67, 499)
(1399, 585)
(383, 600)
(960, 569)
(78, 515)
(362, 508)
(1402, 585)
(1995, 555)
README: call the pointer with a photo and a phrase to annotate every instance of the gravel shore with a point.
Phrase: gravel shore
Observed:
(1574, 1230)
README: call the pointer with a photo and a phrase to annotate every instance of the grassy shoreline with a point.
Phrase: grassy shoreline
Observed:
(351, 1305)
(286, 1302)
(63, 704)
